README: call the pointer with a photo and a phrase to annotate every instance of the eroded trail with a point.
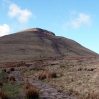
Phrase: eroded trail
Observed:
(18, 76)
(48, 92)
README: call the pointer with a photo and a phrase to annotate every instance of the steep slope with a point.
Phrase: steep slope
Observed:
(36, 43)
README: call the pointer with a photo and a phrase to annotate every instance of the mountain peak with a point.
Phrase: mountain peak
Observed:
(33, 29)
(38, 30)
(36, 43)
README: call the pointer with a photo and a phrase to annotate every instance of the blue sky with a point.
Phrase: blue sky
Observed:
(74, 19)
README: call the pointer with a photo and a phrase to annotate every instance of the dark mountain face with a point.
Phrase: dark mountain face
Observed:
(37, 43)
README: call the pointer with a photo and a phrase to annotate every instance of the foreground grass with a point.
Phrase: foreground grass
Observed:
(13, 90)
(75, 77)
(3, 76)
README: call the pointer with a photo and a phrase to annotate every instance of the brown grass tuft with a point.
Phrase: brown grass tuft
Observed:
(42, 75)
(3, 95)
(27, 84)
(32, 93)
(46, 75)
(11, 77)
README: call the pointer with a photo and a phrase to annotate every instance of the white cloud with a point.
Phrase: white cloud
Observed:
(4, 29)
(82, 19)
(22, 15)
(77, 20)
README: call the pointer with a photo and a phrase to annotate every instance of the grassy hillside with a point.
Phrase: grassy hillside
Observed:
(36, 44)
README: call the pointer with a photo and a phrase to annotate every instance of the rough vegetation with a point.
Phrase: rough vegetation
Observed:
(75, 76)
(32, 93)
(3, 95)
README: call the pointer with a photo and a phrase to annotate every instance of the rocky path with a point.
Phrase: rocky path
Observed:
(18, 76)
(48, 92)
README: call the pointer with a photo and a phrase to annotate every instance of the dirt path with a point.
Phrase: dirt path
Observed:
(18, 76)
(48, 92)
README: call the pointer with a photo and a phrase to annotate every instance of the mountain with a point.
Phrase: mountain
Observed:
(36, 43)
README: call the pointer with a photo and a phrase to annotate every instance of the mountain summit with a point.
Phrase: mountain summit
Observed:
(36, 43)
(38, 30)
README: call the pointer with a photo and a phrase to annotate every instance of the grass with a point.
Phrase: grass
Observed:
(76, 77)
(32, 73)
(13, 90)
(32, 93)
(16, 90)
(82, 82)
(70, 80)
(4, 76)
(3, 95)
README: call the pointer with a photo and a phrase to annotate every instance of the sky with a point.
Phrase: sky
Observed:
(74, 19)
